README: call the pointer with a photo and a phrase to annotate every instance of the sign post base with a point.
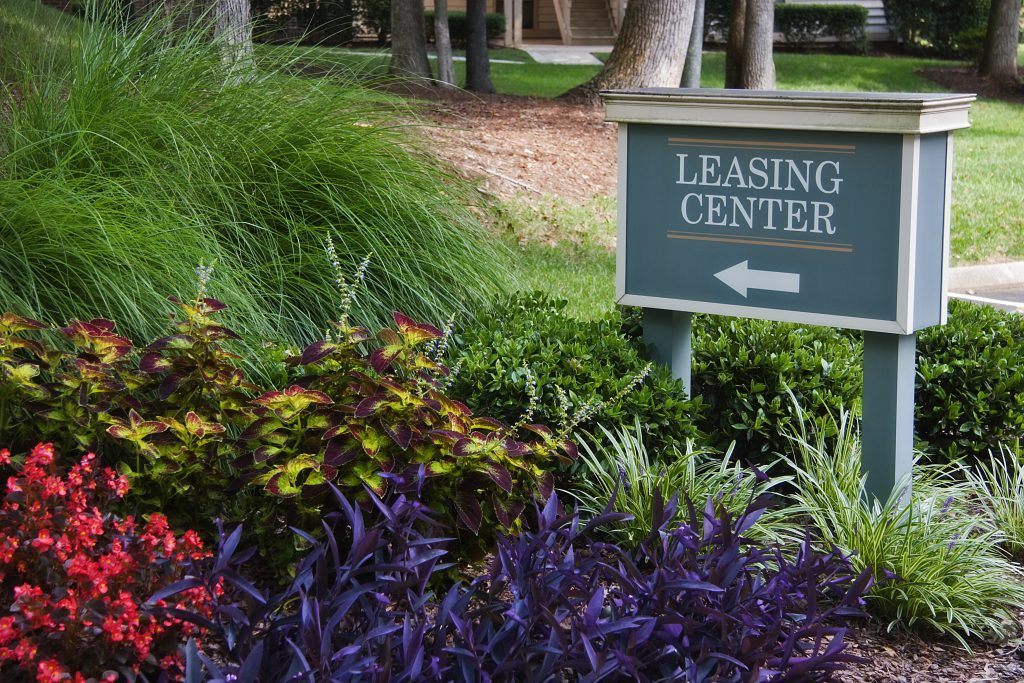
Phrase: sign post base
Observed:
(887, 427)
(670, 335)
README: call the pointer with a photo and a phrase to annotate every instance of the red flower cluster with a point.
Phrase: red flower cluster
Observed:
(75, 579)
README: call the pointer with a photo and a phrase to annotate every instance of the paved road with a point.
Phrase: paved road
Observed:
(1015, 295)
(1005, 299)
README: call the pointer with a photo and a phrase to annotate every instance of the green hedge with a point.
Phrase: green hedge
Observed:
(803, 25)
(459, 29)
(933, 26)
(590, 360)
(970, 384)
(746, 373)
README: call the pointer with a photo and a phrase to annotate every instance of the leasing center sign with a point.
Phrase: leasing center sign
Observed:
(819, 208)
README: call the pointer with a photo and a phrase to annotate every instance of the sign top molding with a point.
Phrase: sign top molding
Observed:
(902, 113)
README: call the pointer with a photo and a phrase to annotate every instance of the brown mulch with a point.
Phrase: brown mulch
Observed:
(968, 80)
(907, 658)
(523, 146)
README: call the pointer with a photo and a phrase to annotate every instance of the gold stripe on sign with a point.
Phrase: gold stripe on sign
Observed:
(849, 149)
(762, 242)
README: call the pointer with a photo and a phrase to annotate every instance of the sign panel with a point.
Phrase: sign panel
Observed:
(778, 220)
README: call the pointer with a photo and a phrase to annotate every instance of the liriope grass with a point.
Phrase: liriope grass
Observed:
(131, 153)
(617, 464)
(999, 484)
(937, 565)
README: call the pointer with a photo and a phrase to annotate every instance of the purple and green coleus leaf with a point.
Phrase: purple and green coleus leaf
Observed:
(13, 324)
(292, 401)
(136, 429)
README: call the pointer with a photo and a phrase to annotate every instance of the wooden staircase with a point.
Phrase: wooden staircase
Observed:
(591, 22)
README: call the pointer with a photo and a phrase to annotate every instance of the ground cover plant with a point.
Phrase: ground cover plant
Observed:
(133, 154)
(999, 483)
(695, 602)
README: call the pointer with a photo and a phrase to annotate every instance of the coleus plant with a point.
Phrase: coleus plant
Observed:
(181, 420)
(696, 603)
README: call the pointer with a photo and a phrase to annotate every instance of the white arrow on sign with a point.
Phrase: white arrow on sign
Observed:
(741, 278)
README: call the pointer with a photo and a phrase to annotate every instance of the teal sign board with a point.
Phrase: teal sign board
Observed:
(800, 225)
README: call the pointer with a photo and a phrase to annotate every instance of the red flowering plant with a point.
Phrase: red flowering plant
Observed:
(75, 580)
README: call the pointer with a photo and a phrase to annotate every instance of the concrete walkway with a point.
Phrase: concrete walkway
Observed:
(566, 54)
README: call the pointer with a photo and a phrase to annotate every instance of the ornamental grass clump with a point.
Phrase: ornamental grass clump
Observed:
(937, 564)
(999, 486)
(131, 151)
(618, 471)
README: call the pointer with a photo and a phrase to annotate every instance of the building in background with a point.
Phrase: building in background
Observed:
(597, 22)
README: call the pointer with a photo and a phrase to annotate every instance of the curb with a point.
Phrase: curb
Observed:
(987, 276)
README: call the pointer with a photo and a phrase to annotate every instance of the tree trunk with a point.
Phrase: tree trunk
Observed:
(758, 37)
(443, 43)
(408, 40)
(478, 64)
(734, 46)
(647, 52)
(695, 50)
(999, 60)
(232, 26)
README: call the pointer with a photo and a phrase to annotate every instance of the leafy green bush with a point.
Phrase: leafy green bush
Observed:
(529, 340)
(935, 561)
(970, 382)
(619, 465)
(458, 29)
(802, 25)
(146, 155)
(748, 372)
(970, 44)
(933, 25)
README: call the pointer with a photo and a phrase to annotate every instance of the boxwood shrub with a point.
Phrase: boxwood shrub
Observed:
(970, 382)
(590, 360)
(458, 27)
(803, 25)
(750, 372)
(746, 375)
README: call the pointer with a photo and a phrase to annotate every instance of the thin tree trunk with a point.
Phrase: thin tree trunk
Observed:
(443, 43)
(734, 45)
(695, 50)
(478, 64)
(408, 39)
(999, 60)
(647, 51)
(758, 38)
(231, 23)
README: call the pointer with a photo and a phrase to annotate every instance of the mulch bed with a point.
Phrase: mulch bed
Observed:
(968, 80)
(907, 658)
(524, 146)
